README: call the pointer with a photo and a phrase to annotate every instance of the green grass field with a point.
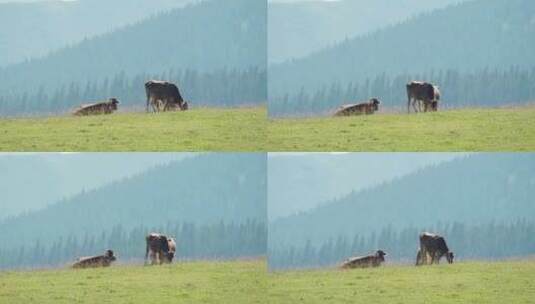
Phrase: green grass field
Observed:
(198, 282)
(473, 282)
(205, 129)
(511, 129)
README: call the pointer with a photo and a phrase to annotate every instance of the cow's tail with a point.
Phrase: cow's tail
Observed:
(408, 99)
(148, 97)
(147, 251)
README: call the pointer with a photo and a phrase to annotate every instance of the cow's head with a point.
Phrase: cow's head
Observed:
(449, 257)
(169, 256)
(114, 102)
(375, 103)
(381, 255)
(436, 93)
(184, 106)
(171, 249)
(110, 255)
(434, 105)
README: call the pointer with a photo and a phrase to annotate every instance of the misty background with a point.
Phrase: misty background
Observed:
(90, 50)
(82, 204)
(326, 53)
(481, 203)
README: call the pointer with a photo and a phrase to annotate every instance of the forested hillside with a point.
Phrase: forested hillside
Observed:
(474, 190)
(299, 28)
(24, 35)
(470, 40)
(211, 47)
(211, 241)
(490, 241)
(31, 181)
(203, 190)
(221, 88)
(482, 88)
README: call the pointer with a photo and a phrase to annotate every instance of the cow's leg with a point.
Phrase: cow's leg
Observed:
(414, 102)
(147, 253)
(425, 257)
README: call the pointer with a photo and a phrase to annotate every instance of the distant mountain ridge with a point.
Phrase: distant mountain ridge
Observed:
(45, 26)
(52, 177)
(297, 183)
(204, 190)
(203, 37)
(465, 37)
(299, 28)
(477, 189)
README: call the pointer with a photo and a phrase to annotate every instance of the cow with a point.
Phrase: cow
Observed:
(374, 260)
(419, 92)
(434, 247)
(160, 248)
(106, 107)
(367, 108)
(164, 96)
(104, 260)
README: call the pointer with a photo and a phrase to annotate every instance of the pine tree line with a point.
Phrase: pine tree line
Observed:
(488, 241)
(219, 241)
(219, 88)
(488, 87)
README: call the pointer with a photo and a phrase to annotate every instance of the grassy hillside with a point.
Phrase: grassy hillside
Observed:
(474, 282)
(199, 282)
(511, 129)
(242, 129)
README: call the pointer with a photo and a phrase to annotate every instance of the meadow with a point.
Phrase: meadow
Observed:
(475, 129)
(467, 282)
(201, 129)
(191, 282)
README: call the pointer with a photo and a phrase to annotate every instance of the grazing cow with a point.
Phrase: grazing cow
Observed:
(374, 260)
(357, 109)
(164, 96)
(419, 92)
(160, 248)
(95, 261)
(107, 107)
(432, 246)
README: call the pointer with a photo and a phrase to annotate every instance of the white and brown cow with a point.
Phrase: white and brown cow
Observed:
(160, 248)
(432, 248)
(164, 96)
(422, 93)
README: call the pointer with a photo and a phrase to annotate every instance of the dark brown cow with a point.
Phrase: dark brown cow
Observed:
(164, 96)
(95, 261)
(357, 109)
(160, 248)
(374, 260)
(107, 107)
(432, 248)
(419, 92)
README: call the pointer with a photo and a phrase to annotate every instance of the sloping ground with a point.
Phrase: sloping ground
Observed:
(198, 282)
(504, 129)
(473, 282)
(206, 129)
